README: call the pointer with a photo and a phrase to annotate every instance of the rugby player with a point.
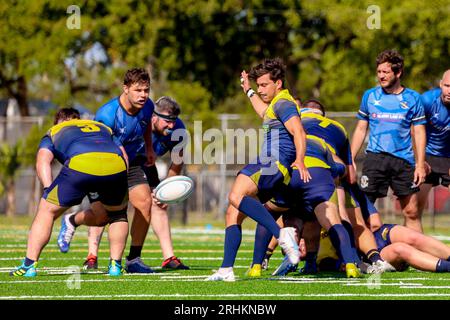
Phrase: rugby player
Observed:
(283, 149)
(164, 123)
(436, 103)
(94, 166)
(389, 110)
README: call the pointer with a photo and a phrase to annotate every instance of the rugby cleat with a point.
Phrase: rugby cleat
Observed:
(65, 234)
(352, 271)
(254, 271)
(24, 271)
(285, 267)
(222, 275)
(90, 263)
(174, 263)
(115, 269)
(289, 244)
(136, 265)
(382, 266)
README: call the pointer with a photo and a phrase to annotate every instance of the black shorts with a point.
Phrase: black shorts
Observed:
(381, 171)
(439, 171)
(141, 174)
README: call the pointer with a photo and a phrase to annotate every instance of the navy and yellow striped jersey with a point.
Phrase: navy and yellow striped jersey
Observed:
(278, 142)
(84, 145)
(331, 131)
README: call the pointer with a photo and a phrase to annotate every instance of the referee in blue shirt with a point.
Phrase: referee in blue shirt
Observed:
(392, 112)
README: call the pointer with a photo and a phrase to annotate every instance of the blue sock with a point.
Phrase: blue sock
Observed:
(443, 266)
(255, 210)
(341, 242)
(28, 262)
(233, 237)
(348, 227)
(119, 262)
(262, 240)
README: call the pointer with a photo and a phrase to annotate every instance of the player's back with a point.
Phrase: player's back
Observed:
(75, 137)
(331, 131)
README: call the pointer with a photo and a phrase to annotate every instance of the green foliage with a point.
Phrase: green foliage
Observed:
(202, 46)
(10, 161)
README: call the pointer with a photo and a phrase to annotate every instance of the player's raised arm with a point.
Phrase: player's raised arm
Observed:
(259, 105)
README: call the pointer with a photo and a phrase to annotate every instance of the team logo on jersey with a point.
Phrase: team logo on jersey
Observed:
(374, 115)
(384, 234)
(364, 182)
(403, 105)
(93, 195)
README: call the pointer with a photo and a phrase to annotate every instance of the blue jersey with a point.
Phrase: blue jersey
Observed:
(84, 145)
(278, 142)
(128, 129)
(331, 131)
(390, 117)
(438, 124)
(163, 144)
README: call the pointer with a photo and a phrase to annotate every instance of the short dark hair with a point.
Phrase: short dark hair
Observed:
(169, 105)
(66, 114)
(315, 104)
(136, 75)
(392, 57)
(275, 67)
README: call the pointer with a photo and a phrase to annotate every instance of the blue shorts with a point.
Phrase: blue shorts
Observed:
(71, 186)
(382, 236)
(305, 197)
(269, 179)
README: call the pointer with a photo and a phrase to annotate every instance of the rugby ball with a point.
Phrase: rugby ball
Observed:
(174, 189)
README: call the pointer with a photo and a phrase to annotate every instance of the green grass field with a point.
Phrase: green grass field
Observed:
(202, 249)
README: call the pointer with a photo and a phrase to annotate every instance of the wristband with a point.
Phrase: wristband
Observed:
(250, 93)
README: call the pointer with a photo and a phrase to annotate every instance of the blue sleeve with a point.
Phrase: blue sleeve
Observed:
(363, 113)
(46, 143)
(418, 115)
(428, 98)
(106, 115)
(180, 136)
(285, 109)
(347, 153)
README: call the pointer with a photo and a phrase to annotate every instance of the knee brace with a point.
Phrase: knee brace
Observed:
(118, 216)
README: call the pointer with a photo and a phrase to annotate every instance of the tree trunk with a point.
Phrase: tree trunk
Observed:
(11, 198)
(22, 96)
(35, 194)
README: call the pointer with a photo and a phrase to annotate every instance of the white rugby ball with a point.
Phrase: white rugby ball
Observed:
(174, 189)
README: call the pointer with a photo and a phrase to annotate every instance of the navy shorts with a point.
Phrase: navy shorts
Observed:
(382, 236)
(269, 178)
(307, 196)
(71, 186)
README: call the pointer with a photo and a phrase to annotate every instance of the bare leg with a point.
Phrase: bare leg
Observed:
(41, 228)
(420, 242)
(422, 196)
(411, 212)
(161, 227)
(398, 253)
(141, 199)
(117, 234)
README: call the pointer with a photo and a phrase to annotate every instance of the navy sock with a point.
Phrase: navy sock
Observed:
(373, 255)
(135, 251)
(348, 227)
(311, 257)
(262, 240)
(255, 210)
(443, 266)
(28, 262)
(233, 237)
(341, 242)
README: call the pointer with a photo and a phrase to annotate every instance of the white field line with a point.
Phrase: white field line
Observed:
(428, 287)
(240, 295)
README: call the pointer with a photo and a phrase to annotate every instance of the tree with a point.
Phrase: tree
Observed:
(10, 162)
